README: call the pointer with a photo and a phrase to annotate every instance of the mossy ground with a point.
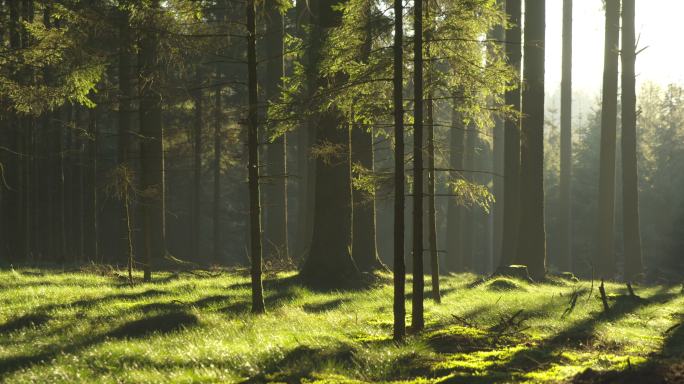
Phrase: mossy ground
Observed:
(197, 327)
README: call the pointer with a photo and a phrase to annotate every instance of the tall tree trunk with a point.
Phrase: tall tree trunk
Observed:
(565, 217)
(468, 219)
(11, 195)
(511, 206)
(195, 204)
(25, 146)
(151, 151)
(275, 190)
(124, 115)
(306, 136)
(630, 179)
(253, 163)
(93, 199)
(78, 179)
(418, 321)
(454, 259)
(604, 259)
(329, 262)
(498, 133)
(364, 242)
(217, 168)
(399, 267)
(67, 168)
(532, 236)
(432, 211)
(60, 223)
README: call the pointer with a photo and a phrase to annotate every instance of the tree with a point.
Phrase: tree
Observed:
(604, 258)
(511, 215)
(151, 147)
(532, 236)
(498, 34)
(195, 204)
(275, 190)
(565, 216)
(253, 163)
(330, 262)
(432, 210)
(455, 215)
(468, 221)
(398, 104)
(217, 201)
(125, 116)
(418, 321)
(364, 244)
(630, 179)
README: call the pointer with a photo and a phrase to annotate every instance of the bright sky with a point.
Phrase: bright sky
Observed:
(657, 23)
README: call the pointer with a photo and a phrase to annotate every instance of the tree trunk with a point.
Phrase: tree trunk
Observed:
(454, 211)
(398, 103)
(93, 207)
(511, 187)
(275, 190)
(195, 204)
(306, 165)
(604, 259)
(253, 163)
(124, 115)
(468, 219)
(364, 243)
(11, 196)
(330, 262)
(151, 152)
(418, 322)
(432, 211)
(498, 144)
(630, 179)
(565, 216)
(217, 168)
(532, 237)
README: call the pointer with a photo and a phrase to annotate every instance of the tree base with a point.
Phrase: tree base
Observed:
(515, 271)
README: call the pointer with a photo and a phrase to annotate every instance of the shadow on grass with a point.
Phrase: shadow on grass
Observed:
(161, 324)
(136, 329)
(664, 367)
(272, 300)
(91, 302)
(545, 353)
(324, 306)
(302, 362)
(26, 321)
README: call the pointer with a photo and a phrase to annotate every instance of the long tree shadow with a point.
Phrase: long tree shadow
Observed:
(302, 362)
(273, 299)
(92, 302)
(159, 324)
(545, 353)
(663, 367)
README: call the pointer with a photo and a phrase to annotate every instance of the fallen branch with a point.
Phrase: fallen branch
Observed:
(463, 321)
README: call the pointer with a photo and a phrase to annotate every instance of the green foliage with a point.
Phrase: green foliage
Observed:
(196, 327)
(55, 66)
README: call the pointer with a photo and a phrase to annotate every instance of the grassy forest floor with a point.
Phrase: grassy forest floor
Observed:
(196, 327)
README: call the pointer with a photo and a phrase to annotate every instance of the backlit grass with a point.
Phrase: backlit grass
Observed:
(196, 327)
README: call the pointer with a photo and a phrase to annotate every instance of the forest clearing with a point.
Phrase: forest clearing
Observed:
(341, 191)
(195, 326)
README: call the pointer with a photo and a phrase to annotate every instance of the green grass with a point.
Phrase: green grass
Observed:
(196, 327)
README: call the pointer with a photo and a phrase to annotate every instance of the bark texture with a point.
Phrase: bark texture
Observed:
(532, 236)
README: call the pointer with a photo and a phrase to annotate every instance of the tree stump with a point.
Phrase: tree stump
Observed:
(515, 271)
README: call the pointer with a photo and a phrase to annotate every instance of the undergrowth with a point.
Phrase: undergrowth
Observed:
(197, 327)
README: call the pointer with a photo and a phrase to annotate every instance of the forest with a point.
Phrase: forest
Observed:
(340, 191)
